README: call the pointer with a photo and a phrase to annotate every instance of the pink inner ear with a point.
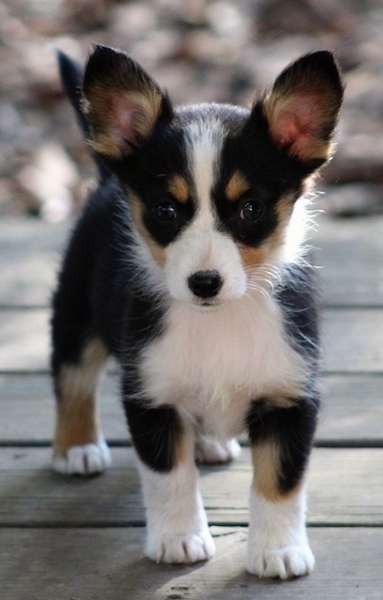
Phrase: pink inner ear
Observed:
(286, 127)
(126, 126)
(296, 123)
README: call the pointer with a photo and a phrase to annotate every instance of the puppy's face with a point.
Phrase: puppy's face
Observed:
(212, 188)
(213, 223)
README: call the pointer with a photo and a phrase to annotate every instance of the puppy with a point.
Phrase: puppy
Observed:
(188, 267)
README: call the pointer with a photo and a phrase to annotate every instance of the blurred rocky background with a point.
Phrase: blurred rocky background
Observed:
(199, 50)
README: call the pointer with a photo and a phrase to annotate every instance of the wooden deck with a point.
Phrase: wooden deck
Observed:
(73, 539)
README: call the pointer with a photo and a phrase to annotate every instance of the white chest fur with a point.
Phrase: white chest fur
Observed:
(212, 364)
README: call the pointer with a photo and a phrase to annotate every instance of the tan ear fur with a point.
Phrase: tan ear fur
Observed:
(121, 102)
(120, 119)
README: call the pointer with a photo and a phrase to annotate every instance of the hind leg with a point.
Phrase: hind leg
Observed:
(209, 451)
(79, 446)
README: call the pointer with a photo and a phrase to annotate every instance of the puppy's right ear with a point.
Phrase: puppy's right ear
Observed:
(121, 101)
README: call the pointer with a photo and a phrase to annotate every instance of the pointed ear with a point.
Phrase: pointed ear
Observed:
(302, 107)
(121, 102)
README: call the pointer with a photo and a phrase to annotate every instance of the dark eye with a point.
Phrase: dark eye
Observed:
(251, 211)
(165, 211)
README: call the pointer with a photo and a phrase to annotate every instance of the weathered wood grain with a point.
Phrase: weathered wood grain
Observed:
(68, 538)
(352, 409)
(352, 340)
(348, 252)
(29, 259)
(24, 340)
(100, 564)
(27, 405)
(344, 489)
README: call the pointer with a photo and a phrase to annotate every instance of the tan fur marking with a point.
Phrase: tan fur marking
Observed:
(77, 424)
(253, 257)
(158, 252)
(267, 465)
(184, 449)
(179, 188)
(77, 421)
(237, 186)
(264, 254)
(284, 209)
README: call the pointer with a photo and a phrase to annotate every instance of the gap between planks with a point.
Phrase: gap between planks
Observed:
(343, 489)
(351, 414)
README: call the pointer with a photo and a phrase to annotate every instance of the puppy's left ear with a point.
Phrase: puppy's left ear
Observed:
(121, 101)
(302, 107)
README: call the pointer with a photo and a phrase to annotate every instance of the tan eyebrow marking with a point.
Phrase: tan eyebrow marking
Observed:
(237, 185)
(178, 188)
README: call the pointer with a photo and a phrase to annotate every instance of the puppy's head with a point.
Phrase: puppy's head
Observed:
(212, 187)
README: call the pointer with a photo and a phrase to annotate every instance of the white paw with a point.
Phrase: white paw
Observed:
(210, 451)
(89, 459)
(187, 548)
(290, 561)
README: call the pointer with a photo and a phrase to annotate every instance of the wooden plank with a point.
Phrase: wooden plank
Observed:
(29, 260)
(95, 564)
(24, 340)
(352, 409)
(352, 340)
(349, 252)
(28, 409)
(345, 488)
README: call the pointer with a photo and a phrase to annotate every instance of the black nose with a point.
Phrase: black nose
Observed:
(205, 284)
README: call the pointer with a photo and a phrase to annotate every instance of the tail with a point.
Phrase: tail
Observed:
(71, 74)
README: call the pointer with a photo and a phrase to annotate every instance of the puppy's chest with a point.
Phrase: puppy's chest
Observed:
(217, 359)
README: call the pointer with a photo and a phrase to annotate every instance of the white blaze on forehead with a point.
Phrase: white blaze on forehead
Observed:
(201, 246)
(204, 146)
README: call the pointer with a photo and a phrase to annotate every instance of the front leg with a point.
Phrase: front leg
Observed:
(281, 440)
(177, 528)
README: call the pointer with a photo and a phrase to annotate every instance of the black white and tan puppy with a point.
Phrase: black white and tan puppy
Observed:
(188, 265)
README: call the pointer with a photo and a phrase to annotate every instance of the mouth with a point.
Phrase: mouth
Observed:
(206, 305)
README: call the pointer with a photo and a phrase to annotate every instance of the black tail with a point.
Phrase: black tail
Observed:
(71, 74)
